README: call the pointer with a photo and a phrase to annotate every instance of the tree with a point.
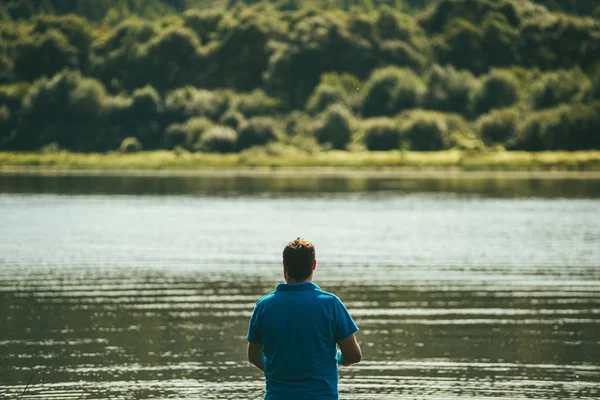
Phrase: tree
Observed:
(256, 132)
(76, 30)
(172, 59)
(334, 127)
(190, 102)
(218, 139)
(566, 127)
(324, 96)
(499, 126)
(391, 90)
(554, 88)
(44, 55)
(559, 41)
(462, 46)
(317, 44)
(449, 89)
(242, 54)
(117, 58)
(67, 110)
(381, 134)
(498, 89)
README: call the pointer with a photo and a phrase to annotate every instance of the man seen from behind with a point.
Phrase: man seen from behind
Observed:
(294, 333)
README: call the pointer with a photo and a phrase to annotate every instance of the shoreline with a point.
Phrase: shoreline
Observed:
(316, 172)
(451, 164)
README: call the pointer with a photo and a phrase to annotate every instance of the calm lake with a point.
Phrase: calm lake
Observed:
(141, 286)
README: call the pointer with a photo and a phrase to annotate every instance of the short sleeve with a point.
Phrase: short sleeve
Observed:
(344, 325)
(254, 333)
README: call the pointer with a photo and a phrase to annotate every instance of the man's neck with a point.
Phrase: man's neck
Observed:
(291, 281)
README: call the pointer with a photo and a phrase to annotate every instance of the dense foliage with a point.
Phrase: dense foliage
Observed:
(226, 75)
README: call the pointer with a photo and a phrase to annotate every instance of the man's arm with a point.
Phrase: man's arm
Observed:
(255, 355)
(350, 351)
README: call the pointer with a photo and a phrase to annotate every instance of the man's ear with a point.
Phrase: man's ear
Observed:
(314, 265)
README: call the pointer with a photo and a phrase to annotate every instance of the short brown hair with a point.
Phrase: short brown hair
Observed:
(299, 257)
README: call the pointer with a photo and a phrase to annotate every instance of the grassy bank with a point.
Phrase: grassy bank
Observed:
(166, 160)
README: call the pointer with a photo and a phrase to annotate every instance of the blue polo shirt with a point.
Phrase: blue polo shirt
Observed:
(298, 325)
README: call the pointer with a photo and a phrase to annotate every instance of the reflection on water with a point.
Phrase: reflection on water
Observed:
(499, 184)
(139, 297)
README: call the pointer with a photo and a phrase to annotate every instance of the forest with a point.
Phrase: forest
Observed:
(224, 76)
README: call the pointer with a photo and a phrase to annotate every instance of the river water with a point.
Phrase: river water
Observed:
(141, 287)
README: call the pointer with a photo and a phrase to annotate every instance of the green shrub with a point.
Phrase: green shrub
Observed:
(75, 29)
(189, 102)
(186, 135)
(567, 127)
(498, 126)
(130, 145)
(117, 58)
(256, 132)
(172, 59)
(381, 134)
(219, 139)
(400, 53)
(203, 22)
(558, 87)
(449, 89)
(256, 104)
(390, 90)
(5, 125)
(335, 127)
(233, 119)
(426, 132)
(67, 109)
(146, 103)
(44, 55)
(299, 123)
(498, 89)
(323, 97)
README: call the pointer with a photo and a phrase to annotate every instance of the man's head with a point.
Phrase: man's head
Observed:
(299, 260)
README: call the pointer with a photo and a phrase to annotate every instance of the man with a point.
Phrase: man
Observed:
(294, 331)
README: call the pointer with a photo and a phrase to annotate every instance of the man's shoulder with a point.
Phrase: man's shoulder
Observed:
(266, 298)
(327, 295)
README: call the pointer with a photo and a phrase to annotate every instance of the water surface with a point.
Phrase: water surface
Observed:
(142, 287)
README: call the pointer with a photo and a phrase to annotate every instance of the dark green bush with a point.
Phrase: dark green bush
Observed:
(499, 126)
(203, 22)
(130, 145)
(335, 127)
(219, 139)
(116, 59)
(143, 118)
(67, 109)
(567, 127)
(498, 89)
(449, 89)
(44, 55)
(558, 87)
(172, 59)
(189, 102)
(5, 125)
(425, 132)
(186, 135)
(397, 52)
(77, 31)
(391, 90)
(256, 132)
(324, 96)
(381, 134)
(257, 104)
(233, 119)
(555, 41)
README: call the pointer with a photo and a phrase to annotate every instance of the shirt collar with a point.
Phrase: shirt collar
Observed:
(295, 287)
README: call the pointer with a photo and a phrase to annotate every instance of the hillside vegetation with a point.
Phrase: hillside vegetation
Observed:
(225, 76)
